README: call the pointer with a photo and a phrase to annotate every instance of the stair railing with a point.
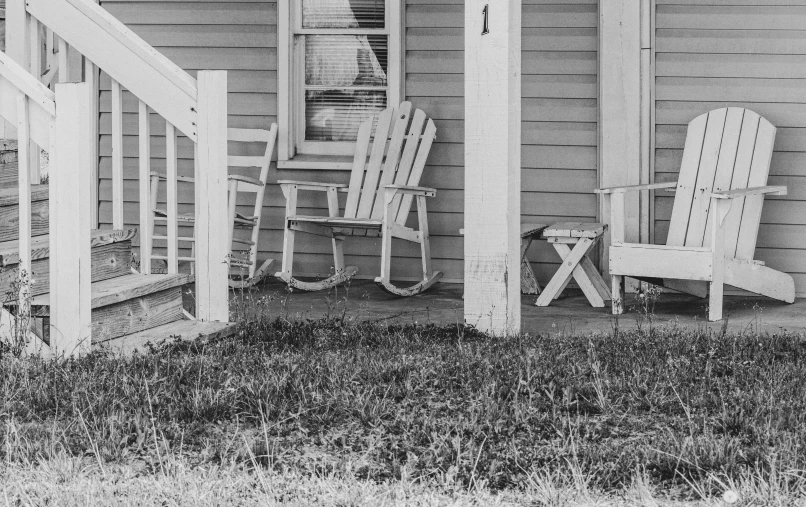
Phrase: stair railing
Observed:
(30, 107)
(195, 108)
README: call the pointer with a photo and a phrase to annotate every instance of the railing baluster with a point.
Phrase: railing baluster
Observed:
(146, 206)
(63, 77)
(37, 46)
(23, 157)
(117, 155)
(172, 173)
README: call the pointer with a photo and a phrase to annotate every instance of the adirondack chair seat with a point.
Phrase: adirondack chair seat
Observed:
(379, 197)
(715, 218)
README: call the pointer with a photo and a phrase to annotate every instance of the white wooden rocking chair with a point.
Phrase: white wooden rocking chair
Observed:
(244, 270)
(715, 218)
(379, 198)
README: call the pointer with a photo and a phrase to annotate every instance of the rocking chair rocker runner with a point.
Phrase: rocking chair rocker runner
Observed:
(379, 198)
(715, 218)
(243, 258)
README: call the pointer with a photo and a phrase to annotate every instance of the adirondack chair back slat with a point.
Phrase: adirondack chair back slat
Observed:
(409, 154)
(729, 148)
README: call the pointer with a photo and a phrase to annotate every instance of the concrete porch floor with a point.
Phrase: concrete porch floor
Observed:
(363, 300)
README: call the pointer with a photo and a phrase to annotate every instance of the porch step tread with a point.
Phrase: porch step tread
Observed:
(186, 330)
(11, 196)
(117, 290)
(40, 245)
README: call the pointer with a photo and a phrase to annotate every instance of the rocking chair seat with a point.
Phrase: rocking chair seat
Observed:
(338, 222)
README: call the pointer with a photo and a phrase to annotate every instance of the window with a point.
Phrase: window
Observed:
(339, 64)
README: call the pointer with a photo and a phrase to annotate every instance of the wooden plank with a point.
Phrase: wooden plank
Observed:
(734, 121)
(40, 245)
(741, 174)
(10, 221)
(24, 188)
(146, 216)
(70, 323)
(492, 155)
(136, 315)
(117, 156)
(417, 169)
(172, 205)
(759, 170)
(373, 172)
(212, 283)
(116, 290)
(186, 330)
(107, 261)
(399, 128)
(109, 44)
(649, 261)
(687, 181)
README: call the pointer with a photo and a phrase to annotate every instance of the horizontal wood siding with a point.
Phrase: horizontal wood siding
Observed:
(559, 65)
(559, 117)
(748, 53)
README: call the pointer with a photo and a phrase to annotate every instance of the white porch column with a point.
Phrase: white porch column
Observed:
(492, 165)
(625, 108)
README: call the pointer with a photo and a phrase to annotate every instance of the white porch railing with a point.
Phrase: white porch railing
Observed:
(195, 108)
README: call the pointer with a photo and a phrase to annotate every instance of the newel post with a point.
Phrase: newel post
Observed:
(493, 165)
(70, 222)
(212, 250)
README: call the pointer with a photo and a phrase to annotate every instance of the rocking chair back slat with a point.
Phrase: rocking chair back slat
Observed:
(373, 174)
(729, 148)
(409, 153)
(417, 170)
(359, 164)
(400, 123)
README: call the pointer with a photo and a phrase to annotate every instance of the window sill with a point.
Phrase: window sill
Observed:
(318, 162)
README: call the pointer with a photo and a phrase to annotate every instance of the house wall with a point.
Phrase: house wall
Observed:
(559, 116)
(712, 55)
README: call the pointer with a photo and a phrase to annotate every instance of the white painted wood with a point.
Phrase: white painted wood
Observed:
(18, 42)
(622, 107)
(20, 78)
(754, 277)
(493, 167)
(70, 320)
(648, 261)
(112, 46)
(172, 208)
(716, 288)
(64, 62)
(117, 155)
(146, 203)
(212, 269)
(39, 119)
(92, 76)
(24, 155)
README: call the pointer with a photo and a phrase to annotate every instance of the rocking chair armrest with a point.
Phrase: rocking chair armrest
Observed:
(635, 188)
(245, 179)
(312, 185)
(406, 189)
(745, 192)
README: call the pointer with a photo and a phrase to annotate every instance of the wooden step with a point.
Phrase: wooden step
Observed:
(10, 212)
(186, 330)
(8, 163)
(129, 304)
(111, 258)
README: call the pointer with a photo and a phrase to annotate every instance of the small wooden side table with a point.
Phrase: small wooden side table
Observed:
(576, 264)
(529, 233)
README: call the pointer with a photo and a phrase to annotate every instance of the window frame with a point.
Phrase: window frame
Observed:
(291, 76)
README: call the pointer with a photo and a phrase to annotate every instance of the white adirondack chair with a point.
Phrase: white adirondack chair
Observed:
(243, 259)
(715, 219)
(379, 198)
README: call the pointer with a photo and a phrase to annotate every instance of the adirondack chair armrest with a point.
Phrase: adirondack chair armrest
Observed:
(635, 188)
(744, 192)
(406, 189)
(311, 185)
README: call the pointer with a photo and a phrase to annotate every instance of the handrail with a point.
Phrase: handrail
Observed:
(15, 80)
(127, 58)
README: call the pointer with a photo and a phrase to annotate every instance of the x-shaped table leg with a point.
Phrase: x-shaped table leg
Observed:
(576, 265)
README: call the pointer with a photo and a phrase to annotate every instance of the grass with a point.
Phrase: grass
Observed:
(315, 411)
